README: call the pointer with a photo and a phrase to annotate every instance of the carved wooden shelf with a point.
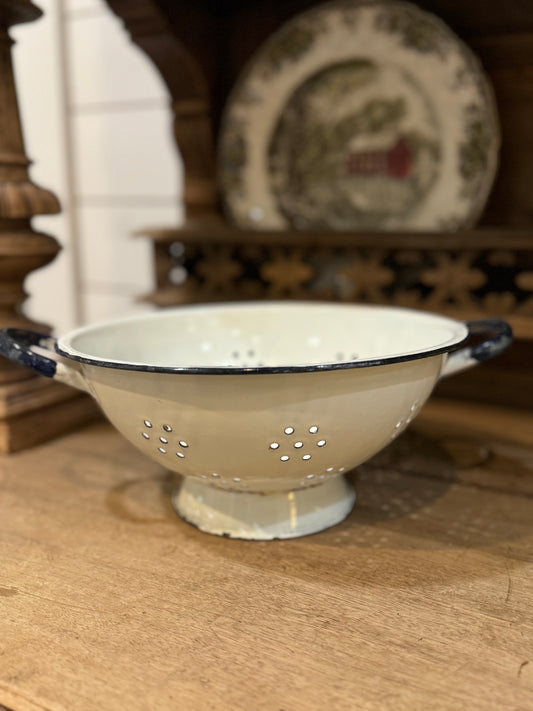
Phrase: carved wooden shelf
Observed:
(216, 229)
(470, 274)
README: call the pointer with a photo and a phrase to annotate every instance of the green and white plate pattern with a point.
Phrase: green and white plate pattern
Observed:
(359, 115)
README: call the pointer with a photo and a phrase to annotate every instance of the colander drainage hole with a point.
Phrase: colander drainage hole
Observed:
(163, 439)
(299, 444)
(341, 357)
(236, 355)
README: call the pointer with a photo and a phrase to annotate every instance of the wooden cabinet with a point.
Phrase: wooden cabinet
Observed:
(201, 46)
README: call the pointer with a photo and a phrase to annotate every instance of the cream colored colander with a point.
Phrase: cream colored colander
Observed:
(261, 407)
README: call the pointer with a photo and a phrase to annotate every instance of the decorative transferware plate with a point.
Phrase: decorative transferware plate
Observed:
(360, 115)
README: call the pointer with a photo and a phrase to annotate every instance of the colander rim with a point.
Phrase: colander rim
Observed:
(65, 349)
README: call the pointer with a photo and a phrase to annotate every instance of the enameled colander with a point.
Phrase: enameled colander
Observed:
(261, 407)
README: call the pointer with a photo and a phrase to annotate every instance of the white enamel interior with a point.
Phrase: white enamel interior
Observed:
(269, 334)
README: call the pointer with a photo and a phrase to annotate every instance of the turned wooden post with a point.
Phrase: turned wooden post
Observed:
(21, 248)
(32, 409)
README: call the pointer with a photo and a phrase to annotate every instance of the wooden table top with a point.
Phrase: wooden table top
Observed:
(421, 599)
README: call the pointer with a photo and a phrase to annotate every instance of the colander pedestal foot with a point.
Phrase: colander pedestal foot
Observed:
(258, 516)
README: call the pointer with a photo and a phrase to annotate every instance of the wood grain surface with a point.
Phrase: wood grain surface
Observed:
(420, 600)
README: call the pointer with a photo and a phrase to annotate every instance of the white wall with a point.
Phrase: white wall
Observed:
(97, 123)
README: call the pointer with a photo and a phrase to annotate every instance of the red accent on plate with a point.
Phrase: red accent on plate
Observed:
(396, 162)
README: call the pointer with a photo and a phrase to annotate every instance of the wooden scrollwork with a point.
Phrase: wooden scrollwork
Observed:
(467, 274)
